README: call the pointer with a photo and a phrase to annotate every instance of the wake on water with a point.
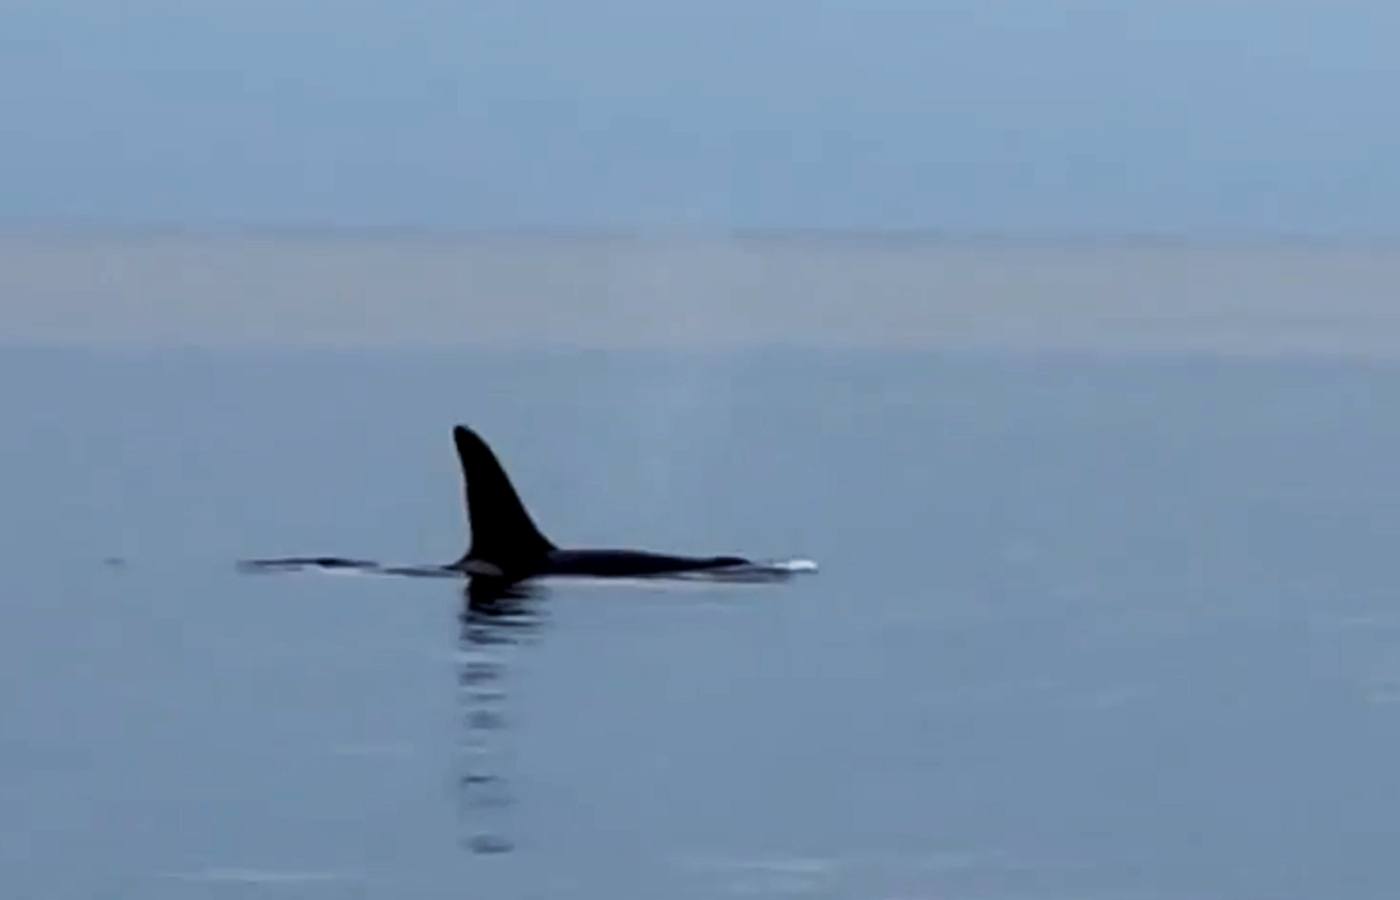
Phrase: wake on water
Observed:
(743, 573)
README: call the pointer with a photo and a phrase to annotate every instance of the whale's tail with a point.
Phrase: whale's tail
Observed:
(504, 539)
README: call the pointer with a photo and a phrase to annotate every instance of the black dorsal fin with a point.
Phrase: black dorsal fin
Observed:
(505, 540)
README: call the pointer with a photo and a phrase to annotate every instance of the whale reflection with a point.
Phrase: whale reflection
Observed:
(495, 621)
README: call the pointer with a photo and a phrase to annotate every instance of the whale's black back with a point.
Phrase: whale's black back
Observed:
(506, 546)
(503, 534)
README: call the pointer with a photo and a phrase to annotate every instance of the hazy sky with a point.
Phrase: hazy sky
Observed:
(1039, 115)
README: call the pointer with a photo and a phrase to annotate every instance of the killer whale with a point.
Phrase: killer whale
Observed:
(507, 548)
(506, 544)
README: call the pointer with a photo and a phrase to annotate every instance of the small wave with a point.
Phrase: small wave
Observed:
(764, 570)
(796, 565)
(335, 565)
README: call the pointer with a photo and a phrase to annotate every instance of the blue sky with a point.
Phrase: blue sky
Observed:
(1157, 116)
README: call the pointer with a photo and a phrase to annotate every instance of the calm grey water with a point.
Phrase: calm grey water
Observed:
(1086, 627)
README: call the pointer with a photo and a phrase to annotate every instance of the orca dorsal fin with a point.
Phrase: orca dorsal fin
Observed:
(504, 538)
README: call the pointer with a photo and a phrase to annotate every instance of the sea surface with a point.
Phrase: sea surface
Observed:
(1110, 617)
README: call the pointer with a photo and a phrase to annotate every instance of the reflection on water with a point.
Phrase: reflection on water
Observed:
(495, 620)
